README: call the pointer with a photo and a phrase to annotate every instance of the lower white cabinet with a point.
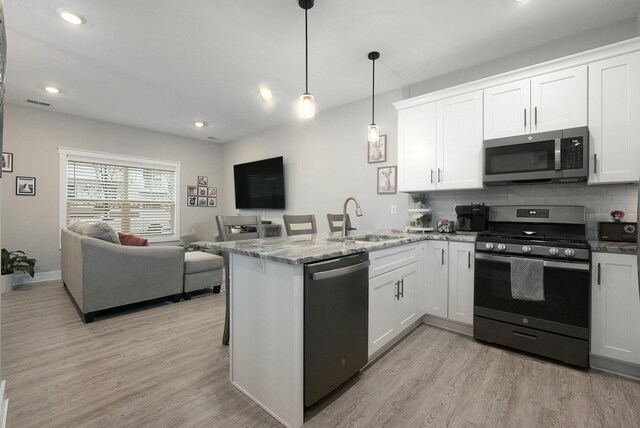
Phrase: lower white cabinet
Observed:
(615, 307)
(393, 303)
(448, 285)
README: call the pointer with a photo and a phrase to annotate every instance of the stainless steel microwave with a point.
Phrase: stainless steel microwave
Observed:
(555, 156)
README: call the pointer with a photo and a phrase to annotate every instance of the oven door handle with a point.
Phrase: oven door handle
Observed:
(558, 154)
(547, 263)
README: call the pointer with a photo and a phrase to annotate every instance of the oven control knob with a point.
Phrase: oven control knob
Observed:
(489, 246)
(554, 251)
(526, 249)
(502, 247)
(569, 252)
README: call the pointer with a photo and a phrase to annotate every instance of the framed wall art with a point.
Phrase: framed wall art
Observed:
(25, 186)
(192, 201)
(202, 202)
(213, 192)
(192, 190)
(213, 202)
(378, 150)
(7, 162)
(387, 180)
(203, 181)
(202, 191)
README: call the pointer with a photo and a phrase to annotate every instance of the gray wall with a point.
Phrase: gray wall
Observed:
(33, 136)
(326, 162)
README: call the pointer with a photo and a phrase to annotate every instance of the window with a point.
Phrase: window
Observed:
(134, 195)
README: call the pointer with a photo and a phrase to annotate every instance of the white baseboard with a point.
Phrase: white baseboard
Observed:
(53, 275)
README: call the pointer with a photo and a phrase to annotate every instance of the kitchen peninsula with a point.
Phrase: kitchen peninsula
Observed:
(267, 306)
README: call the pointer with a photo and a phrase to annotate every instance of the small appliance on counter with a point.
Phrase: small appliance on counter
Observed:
(445, 226)
(618, 231)
(472, 218)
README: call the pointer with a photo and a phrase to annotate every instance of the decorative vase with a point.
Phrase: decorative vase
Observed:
(377, 154)
(386, 183)
(6, 282)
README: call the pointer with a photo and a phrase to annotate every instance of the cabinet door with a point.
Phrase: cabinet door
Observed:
(559, 100)
(461, 282)
(459, 142)
(407, 302)
(382, 319)
(614, 119)
(507, 110)
(436, 286)
(417, 148)
(615, 307)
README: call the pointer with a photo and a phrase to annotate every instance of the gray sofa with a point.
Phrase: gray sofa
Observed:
(101, 275)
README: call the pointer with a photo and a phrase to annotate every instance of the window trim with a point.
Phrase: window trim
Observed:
(67, 154)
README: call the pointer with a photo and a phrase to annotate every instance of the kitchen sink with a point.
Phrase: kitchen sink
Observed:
(363, 238)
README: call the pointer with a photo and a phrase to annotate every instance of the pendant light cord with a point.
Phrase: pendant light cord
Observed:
(306, 54)
(373, 95)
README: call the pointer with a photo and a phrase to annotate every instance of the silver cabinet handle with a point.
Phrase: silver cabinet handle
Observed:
(595, 163)
(401, 292)
(536, 115)
(432, 175)
(469, 259)
(525, 117)
(341, 271)
(438, 175)
(599, 274)
(396, 292)
(442, 256)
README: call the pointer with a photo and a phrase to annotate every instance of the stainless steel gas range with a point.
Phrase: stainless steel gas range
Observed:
(532, 281)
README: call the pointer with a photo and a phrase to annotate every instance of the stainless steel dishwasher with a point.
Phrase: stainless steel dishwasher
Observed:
(336, 323)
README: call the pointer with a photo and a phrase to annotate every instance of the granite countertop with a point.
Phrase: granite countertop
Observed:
(312, 248)
(613, 247)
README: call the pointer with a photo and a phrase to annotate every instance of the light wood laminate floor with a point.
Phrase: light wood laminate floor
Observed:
(165, 367)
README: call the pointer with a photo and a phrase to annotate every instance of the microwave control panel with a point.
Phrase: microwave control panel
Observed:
(572, 153)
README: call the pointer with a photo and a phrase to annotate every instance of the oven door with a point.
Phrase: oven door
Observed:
(520, 159)
(565, 309)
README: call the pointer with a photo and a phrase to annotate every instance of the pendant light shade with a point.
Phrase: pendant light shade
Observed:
(307, 104)
(373, 132)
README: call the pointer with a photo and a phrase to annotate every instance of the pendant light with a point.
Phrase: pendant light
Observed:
(307, 105)
(373, 130)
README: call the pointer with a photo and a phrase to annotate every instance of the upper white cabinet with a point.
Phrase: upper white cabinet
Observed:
(459, 142)
(615, 307)
(440, 144)
(461, 258)
(614, 119)
(417, 148)
(548, 102)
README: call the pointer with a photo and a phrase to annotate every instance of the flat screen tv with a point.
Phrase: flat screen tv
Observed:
(260, 184)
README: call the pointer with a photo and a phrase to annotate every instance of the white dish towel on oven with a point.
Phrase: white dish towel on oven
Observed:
(527, 279)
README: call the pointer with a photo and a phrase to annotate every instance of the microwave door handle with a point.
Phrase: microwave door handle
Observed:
(558, 154)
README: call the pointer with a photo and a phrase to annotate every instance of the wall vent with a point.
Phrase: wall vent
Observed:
(38, 103)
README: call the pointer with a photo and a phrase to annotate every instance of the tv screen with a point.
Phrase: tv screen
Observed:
(260, 184)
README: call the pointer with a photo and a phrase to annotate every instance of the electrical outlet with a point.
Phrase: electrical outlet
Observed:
(394, 209)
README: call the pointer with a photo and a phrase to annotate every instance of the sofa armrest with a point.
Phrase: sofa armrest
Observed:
(116, 275)
(187, 238)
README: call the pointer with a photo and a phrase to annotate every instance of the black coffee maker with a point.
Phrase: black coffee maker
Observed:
(472, 218)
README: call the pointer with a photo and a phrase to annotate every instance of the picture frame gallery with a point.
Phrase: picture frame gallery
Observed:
(201, 194)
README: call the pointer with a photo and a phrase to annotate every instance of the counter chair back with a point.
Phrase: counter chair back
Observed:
(335, 222)
(300, 224)
(225, 224)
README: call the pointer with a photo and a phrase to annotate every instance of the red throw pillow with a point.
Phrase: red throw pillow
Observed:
(132, 240)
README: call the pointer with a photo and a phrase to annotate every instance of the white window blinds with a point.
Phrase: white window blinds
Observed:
(132, 198)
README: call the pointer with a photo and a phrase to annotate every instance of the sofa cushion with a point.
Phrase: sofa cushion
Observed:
(197, 261)
(131, 240)
(101, 230)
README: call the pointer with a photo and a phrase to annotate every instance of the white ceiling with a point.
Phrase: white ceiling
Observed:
(162, 65)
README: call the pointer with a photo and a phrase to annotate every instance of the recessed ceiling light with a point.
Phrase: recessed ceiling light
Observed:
(199, 124)
(518, 1)
(52, 89)
(71, 17)
(266, 93)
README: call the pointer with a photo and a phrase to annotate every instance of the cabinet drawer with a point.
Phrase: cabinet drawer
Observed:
(384, 261)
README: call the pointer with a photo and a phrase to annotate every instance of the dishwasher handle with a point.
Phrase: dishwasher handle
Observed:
(340, 271)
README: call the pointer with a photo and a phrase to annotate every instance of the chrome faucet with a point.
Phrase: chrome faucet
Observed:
(345, 231)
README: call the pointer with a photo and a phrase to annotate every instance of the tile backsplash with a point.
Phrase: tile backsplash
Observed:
(598, 200)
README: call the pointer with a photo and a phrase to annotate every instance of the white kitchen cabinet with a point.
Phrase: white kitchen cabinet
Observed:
(461, 260)
(394, 294)
(436, 284)
(548, 102)
(615, 307)
(614, 119)
(507, 110)
(459, 142)
(440, 144)
(417, 148)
